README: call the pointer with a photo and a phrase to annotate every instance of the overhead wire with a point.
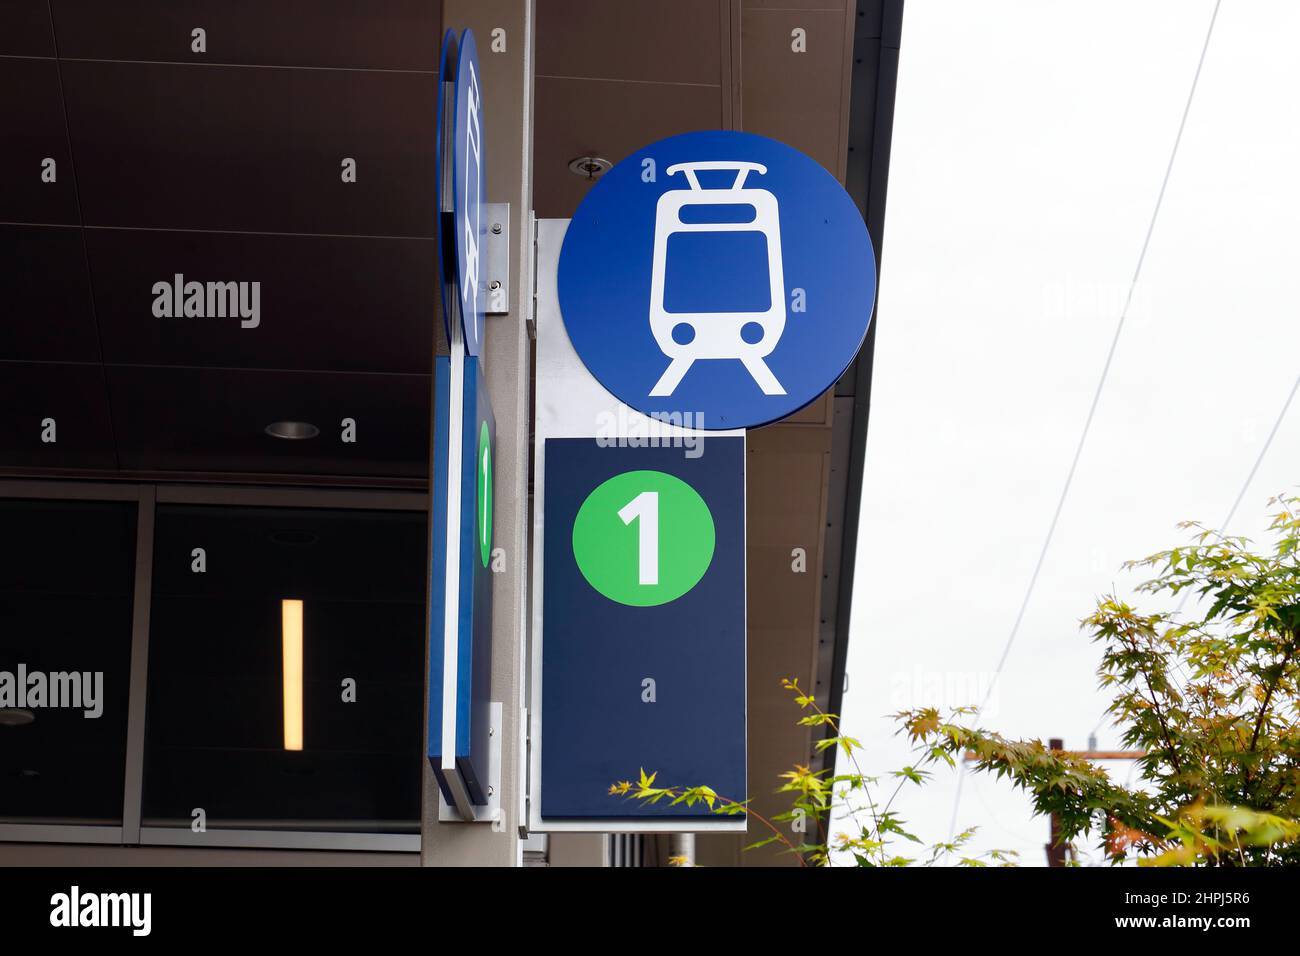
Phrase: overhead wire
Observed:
(1092, 408)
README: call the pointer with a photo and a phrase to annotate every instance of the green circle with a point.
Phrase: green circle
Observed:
(483, 480)
(650, 515)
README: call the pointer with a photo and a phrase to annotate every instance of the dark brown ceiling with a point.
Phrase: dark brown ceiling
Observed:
(220, 166)
(225, 166)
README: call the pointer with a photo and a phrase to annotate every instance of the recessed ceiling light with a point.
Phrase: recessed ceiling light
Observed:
(292, 430)
(589, 167)
(15, 716)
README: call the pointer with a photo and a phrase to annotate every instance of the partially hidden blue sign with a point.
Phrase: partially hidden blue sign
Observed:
(721, 273)
(460, 606)
(462, 192)
(643, 662)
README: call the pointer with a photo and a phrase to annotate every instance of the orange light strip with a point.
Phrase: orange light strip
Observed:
(291, 626)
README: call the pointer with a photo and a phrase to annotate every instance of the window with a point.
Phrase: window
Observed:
(286, 669)
(67, 571)
(249, 658)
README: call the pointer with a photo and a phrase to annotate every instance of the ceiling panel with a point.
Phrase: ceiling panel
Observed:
(795, 5)
(213, 420)
(25, 28)
(583, 117)
(31, 115)
(240, 149)
(350, 305)
(795, 97)
(678, 41)
(221, 174)
(816, 412)
(401, 35)
(73, 396)
(784, 484)
(778, 595)
(43, 285)
(777, 740)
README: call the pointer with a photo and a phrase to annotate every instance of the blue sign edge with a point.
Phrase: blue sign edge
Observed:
(467, 55)
(474, 622)
(474, 660)
(446, 269)
(438, 567)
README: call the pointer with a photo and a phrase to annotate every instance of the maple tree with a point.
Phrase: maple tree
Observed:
(1212, 700)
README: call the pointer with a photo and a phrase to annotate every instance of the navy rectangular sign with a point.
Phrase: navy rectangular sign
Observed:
(643, 621)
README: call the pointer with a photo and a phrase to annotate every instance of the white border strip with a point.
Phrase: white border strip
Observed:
(451, 602)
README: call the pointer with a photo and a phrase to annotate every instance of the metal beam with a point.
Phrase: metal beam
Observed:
(871, 126)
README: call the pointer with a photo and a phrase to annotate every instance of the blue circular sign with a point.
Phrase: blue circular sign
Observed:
(462, 214)
(717, 273)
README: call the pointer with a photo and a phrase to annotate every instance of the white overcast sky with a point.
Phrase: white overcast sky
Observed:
(1030, 140)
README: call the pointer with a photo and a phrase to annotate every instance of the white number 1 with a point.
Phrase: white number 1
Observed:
(645, 506)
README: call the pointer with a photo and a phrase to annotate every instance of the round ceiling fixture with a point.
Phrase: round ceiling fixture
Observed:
(15, 716)
(292, 430)
(589, 167)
